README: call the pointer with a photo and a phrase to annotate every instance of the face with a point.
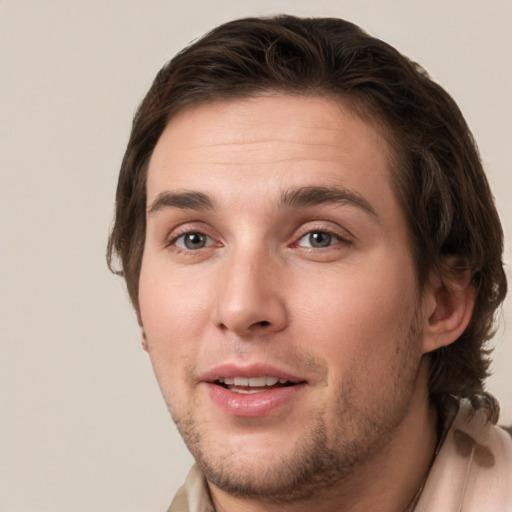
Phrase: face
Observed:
(277, 292)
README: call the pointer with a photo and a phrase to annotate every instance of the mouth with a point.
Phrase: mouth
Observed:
(254, 390)
(251, 385)
(253, 397)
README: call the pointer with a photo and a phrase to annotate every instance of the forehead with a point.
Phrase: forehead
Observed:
(277, 137)
(245, 155)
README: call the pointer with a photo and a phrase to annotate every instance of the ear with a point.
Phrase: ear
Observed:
(143, 339)
(448, 308)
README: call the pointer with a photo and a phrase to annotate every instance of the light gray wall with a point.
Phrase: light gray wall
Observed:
(82, 425)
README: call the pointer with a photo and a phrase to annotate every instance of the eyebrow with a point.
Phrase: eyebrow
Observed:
(299, 197)
(311, 196)
(182, 200)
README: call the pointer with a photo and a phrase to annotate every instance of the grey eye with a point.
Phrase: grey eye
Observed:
(193, 241)
(317, 239)
(320, 239)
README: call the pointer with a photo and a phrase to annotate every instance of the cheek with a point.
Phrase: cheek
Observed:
(173, 314)
(167, 320)
(172, 306)
(361, 315)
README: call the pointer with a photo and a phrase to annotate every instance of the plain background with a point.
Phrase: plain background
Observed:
(82, 424)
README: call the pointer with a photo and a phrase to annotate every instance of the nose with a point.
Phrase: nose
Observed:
(251, 300)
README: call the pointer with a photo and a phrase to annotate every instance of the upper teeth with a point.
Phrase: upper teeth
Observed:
(252, 381)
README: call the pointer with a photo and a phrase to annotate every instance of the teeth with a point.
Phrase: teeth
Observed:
(256, 382)
(247, 391)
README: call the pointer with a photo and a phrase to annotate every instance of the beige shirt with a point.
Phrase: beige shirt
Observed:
(472, 472)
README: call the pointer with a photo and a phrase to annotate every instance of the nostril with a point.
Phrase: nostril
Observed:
(264, 323)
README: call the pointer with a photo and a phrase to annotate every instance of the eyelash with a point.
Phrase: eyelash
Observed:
(343, 237)
(173, 241)
(340, 240)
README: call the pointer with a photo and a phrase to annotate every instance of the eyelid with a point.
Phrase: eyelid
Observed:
(337, 240)
(208, 242)
(342, 234)
(189, 227)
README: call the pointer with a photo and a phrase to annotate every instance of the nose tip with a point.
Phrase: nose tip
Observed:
(241, 324)
(251, 302)
(255, 314)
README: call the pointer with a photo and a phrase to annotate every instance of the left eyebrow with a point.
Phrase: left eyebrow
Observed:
(312, 196)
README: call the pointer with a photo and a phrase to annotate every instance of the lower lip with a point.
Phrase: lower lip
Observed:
(252, 405)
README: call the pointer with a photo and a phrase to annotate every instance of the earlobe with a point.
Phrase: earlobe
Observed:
(143, 339)
(449, 309)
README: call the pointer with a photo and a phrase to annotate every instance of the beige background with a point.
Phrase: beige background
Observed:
(82, 425)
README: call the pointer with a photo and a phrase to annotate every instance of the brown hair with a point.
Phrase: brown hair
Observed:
(438, 176)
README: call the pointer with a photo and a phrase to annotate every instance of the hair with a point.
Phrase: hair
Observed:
(437, 174)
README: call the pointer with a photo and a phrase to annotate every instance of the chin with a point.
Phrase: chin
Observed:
(278, 477)
(275, 469)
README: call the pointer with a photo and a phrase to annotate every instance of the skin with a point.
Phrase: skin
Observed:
(344, 316)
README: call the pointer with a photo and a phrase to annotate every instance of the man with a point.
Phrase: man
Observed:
(313, 253)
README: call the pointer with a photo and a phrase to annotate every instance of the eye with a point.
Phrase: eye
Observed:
(318, 239)
(192, 241)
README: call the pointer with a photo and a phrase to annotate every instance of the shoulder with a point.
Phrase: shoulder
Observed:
(193, 495)
(489, 481)
(473, 469)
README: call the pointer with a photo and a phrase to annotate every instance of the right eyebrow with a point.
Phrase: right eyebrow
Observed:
(182, 200)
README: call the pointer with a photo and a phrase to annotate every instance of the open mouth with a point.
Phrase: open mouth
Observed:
(249, 385)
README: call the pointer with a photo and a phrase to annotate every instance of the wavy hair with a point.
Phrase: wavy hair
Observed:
(438, 176)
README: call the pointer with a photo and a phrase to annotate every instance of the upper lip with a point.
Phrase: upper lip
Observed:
(248, 371)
